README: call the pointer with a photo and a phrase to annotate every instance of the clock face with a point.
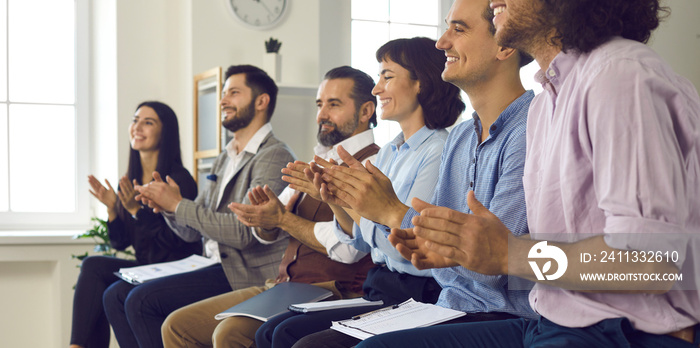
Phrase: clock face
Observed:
(258, 14)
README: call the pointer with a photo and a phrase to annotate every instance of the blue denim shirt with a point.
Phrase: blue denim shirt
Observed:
(494, 171)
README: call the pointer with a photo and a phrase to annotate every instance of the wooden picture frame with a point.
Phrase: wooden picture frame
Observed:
(206, 117)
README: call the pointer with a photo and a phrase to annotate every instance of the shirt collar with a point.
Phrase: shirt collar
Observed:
(253, 144)
(352, 145)
(414, 141)
(505, 116)
(558, 69)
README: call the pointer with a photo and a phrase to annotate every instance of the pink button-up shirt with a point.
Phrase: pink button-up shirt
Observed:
(613, 146)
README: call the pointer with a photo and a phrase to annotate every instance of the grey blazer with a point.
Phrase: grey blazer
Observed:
(246, 261)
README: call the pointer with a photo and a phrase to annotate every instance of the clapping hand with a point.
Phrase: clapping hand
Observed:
(106, 195)
(414, 249)
(317, 170)
(444, 237)
(365, 189)
(265, 211)
(127, 195)
(300, 176)
(161, 196)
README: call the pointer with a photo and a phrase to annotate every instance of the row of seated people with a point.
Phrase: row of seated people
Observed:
(612, 119)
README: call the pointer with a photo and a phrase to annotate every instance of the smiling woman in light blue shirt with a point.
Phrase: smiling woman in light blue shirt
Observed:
(423, 105)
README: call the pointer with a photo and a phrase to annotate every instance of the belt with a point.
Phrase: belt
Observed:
(687, 334)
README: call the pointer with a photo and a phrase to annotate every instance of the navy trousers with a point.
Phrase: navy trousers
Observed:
(542, 333)
(284, 330)
(136, 313)
(90, 328)
(330, 338)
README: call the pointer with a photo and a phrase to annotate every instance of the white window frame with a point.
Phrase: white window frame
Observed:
(443, 9)
(79, 218)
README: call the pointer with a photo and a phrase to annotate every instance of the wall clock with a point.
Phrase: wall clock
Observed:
(258, 14)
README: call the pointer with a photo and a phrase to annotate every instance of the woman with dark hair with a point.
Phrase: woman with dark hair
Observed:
(440, 101)
(411, 93)
(155, 146)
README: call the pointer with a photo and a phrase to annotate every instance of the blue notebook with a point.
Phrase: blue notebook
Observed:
(276, 301)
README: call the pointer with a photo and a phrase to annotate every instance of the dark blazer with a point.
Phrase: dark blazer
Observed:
(246, 261)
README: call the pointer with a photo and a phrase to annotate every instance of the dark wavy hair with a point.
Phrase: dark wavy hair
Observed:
(440, 100)
(583, 25)
(257, 80)
(168, 146)
(361, 89)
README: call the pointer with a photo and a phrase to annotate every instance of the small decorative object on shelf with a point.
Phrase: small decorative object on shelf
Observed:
(273, 45)
(272, 61)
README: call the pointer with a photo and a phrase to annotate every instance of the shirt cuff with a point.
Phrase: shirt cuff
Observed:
(168, 216)
(407, 219)
(329, 234)
(643, 234)
(341, 235)
(172, 216)
(280, 236)
(383, 228)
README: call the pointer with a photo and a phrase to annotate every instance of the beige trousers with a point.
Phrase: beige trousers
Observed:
(195, 326)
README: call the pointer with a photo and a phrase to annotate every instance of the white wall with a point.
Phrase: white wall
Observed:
(678, 39)
(36, 291)
(141, 50)
(153, 62)
(103, 91)
(220, 40)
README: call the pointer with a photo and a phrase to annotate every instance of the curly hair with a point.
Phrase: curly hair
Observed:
(583, 25)
(440, 100)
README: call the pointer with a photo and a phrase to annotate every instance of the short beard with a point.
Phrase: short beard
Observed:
(242, 119)
(523, 31)
(338, 134)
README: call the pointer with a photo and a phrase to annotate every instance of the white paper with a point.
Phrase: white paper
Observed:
(142, 274)
(407, 315)
(326, 305)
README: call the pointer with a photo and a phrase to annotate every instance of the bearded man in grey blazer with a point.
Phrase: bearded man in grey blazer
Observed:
(254, 157)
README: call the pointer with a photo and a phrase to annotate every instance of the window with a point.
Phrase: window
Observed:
(374, 22)
(42, 145)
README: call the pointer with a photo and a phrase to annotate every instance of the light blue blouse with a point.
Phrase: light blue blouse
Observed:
(413, 167)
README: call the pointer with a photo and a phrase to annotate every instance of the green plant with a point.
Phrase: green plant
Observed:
(272, 45)
(100, 235)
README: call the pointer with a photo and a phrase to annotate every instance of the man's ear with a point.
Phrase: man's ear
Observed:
(366, 111)
(262, 101)
(505, 52)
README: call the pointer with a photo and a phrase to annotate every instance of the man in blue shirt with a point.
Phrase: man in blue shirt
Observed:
(485, 155)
